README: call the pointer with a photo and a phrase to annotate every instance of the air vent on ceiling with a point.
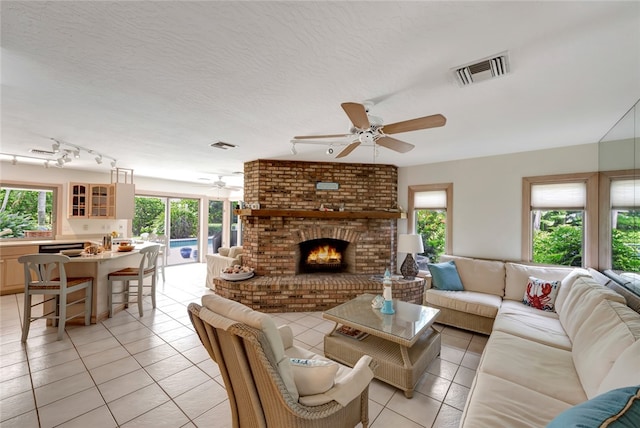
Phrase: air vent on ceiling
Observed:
(222, 145)
(485, 69)
(42, 152)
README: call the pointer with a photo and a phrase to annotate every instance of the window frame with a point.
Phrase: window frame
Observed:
(58, 207)
(605, 251)
(411, 217)
(590, 221)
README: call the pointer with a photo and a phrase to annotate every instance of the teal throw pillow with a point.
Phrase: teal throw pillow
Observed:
(444, 276)
(618, 408)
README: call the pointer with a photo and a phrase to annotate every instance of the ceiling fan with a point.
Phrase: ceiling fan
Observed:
(370, 130)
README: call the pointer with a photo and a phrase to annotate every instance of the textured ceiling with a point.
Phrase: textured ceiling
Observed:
(153, 84)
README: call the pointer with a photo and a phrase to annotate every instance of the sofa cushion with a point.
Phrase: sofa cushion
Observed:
(485, 305)
(624, 371)
(483, 276)
(445, 276)
(616, 408)
(224, 251)
(603, 336)
(313, 376)
(567, 283)
(497, 402)
(517, 276)
(545, 369)
(528, 323)
(585, 294)
(234, 252)
(541, 294)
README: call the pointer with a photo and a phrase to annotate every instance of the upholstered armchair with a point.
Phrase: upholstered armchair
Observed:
(270, 381)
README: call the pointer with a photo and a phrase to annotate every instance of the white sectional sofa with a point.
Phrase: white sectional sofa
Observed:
(538, 364)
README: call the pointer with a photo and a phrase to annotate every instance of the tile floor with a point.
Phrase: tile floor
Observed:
(152, 371)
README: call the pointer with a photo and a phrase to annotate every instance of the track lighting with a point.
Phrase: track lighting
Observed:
(60, 163)
(76, 153)
(55, 147)
(113, 163)
(293, 149)
(66, 158)
(14, 161)
(99, 159)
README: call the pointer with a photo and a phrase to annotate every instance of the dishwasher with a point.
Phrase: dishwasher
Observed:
(56, 248)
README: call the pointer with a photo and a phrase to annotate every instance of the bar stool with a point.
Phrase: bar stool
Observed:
(45, 274)
(147, 268)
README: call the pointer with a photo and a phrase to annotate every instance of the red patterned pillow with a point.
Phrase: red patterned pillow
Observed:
(541, 294)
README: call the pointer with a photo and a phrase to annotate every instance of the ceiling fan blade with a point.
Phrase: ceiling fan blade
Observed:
(307, 137)
(357, 115)
(393, 144)
(426, 122)
(351, 147)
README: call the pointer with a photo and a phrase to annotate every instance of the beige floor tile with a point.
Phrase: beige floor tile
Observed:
(452, 355)
(15, 405)
(137, 403)
(389, 418)
(97, 418)
(124, 385)
(464, 376)
(114, 369)
(448, 417)
(15, 386)
(167, 414)
(143, 344)
(457, 396)
(25, 420)
(183, 381)
(98, 346)
(70, 407)
(101, 358)
(201, 399)
(53, 374)
(442, 368)
(63, 388)
(167, 367)
(14, 370)
(153, 355)
(420, 409)
(52, 360)
(217, 417)
(433, 386)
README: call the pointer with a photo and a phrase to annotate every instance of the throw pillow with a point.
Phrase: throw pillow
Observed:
(313, 376)
(541, 294)
(224, 251)
(618, 408)
(444, 276)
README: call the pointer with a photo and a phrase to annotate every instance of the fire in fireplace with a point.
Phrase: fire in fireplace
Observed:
(322, 255)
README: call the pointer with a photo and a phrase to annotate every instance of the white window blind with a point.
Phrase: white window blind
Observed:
(432, 199)
(625, 193)
(559, 196)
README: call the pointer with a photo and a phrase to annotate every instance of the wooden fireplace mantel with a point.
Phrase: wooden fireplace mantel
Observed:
(319, 214)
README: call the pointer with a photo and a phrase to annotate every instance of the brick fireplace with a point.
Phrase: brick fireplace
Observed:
(288, 189)
(354, 204)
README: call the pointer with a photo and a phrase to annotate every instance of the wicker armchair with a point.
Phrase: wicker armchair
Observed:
(257, 382)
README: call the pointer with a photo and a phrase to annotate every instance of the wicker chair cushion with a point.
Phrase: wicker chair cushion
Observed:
(243, 314)
(313, 376)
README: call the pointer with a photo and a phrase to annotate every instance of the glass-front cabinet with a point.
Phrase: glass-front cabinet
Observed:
(78, 200)
(101, 201)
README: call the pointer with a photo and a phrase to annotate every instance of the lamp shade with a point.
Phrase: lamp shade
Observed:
(410, 244)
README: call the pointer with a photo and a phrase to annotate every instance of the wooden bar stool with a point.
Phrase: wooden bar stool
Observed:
(45, 274)
(147, 268)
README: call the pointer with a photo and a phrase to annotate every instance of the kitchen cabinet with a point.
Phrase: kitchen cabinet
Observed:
(12, 271)
(101, 201)
(78, 200)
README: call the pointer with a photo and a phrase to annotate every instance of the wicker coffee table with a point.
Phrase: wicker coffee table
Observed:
(402, 345)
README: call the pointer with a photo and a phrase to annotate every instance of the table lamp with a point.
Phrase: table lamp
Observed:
(409, 244)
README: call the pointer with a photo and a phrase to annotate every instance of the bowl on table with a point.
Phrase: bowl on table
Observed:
(125, 248)
(72, 252)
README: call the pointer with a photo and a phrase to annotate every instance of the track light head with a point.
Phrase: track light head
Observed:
(60, 162)
(55, 147)
(113, 163)
(14, 161)
(76, 153)
(293, 149)
(99, 159)
(46, 164)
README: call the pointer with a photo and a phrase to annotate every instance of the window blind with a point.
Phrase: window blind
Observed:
(625, 194)
(432, 200)
(559, 196)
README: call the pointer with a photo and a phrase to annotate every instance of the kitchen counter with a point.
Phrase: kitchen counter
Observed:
(26, 242)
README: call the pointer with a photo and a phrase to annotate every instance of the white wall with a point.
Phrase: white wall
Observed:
(487, 194)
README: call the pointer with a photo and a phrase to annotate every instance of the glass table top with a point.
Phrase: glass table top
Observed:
(404, 327)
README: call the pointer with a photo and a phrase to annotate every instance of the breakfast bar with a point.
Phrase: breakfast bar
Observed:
(99, 267)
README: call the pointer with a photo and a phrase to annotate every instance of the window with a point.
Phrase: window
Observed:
(620, 221)
(28, 211)
(430, 216)
(559, 225)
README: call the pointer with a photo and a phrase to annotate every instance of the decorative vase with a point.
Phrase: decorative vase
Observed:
(185, 252)
(409, 267)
